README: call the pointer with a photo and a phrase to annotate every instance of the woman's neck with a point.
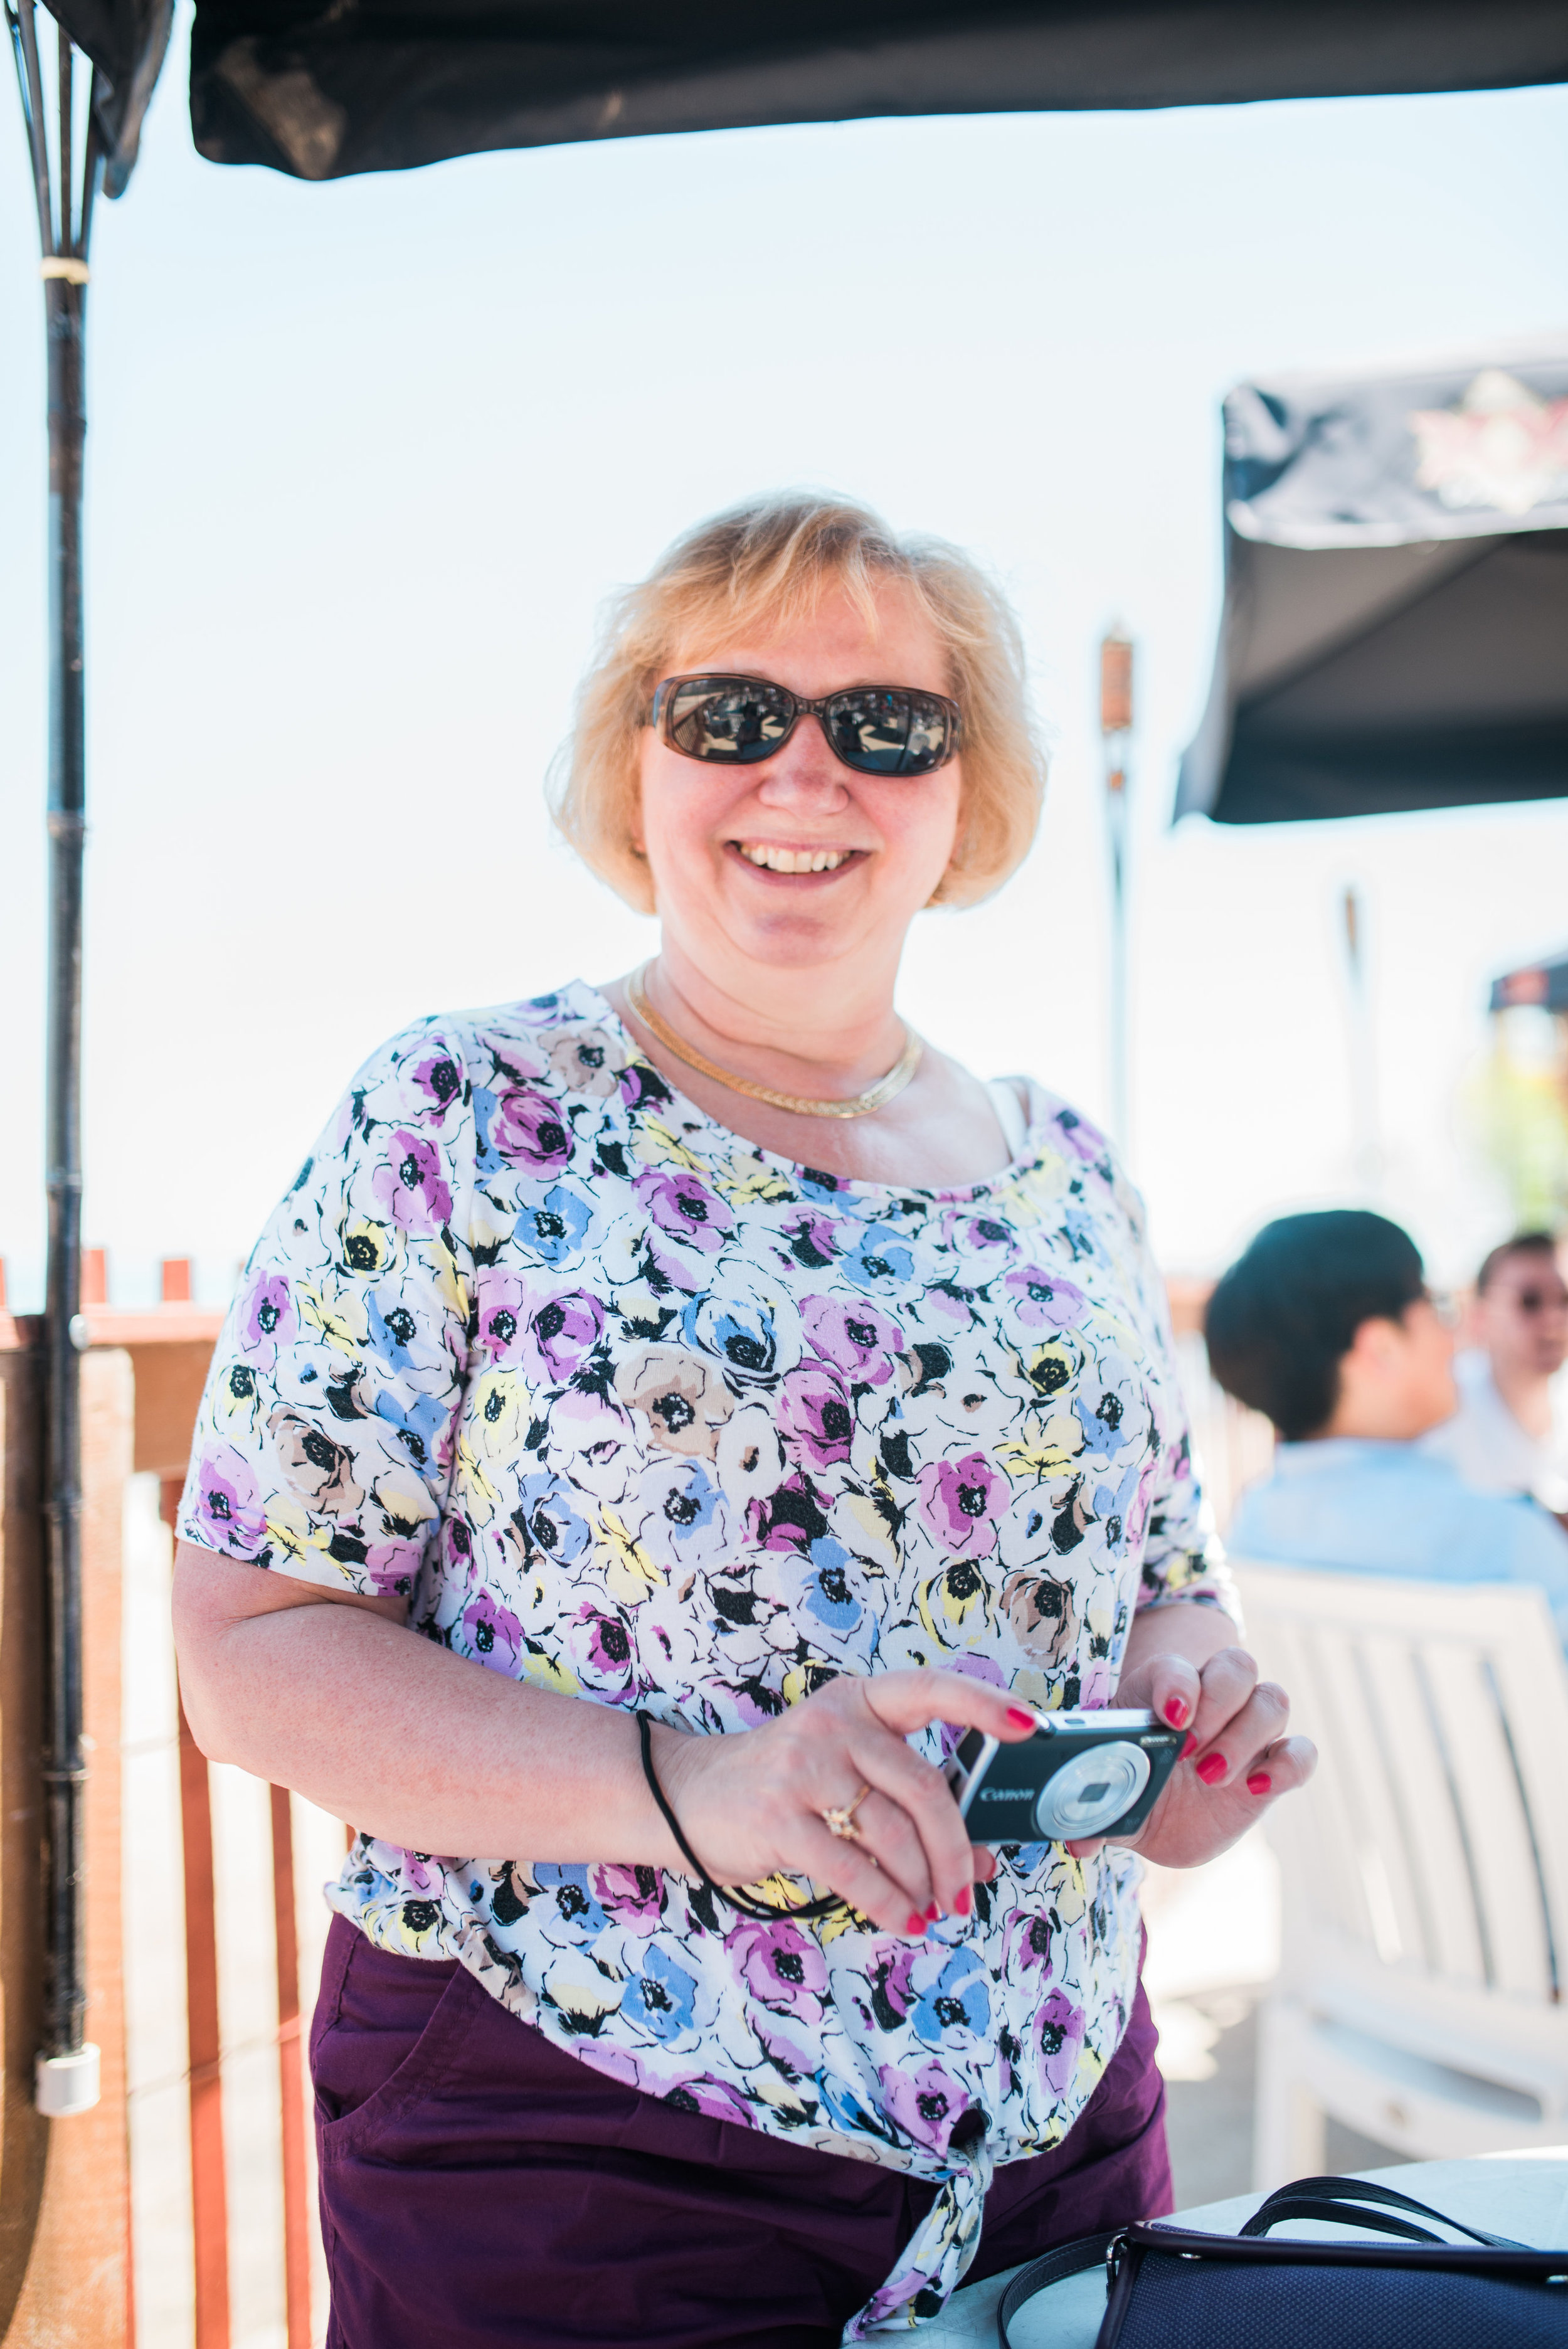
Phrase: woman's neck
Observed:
(821, 1031)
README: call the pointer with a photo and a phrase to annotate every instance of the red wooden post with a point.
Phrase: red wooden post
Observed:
(176, 1281)
(291, 2078)
(209, 2185)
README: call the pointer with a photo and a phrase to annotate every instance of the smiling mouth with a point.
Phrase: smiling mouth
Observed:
(768, 858)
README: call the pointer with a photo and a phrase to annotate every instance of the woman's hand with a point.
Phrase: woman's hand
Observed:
(1237, 1758)
(753, 1804)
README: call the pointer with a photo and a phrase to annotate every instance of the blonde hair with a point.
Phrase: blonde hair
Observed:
(774, 558)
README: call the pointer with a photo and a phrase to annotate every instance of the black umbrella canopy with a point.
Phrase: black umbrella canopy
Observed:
(1542, 984)
(1395, 633)
(321, 88)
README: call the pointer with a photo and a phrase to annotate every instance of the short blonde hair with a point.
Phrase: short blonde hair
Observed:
(773, 559)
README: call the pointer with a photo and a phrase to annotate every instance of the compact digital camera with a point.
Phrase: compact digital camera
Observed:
(1081, 1773)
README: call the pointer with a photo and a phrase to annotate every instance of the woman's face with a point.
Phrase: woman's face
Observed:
(723, 842)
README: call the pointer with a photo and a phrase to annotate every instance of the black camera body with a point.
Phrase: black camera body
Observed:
(1082, 1774)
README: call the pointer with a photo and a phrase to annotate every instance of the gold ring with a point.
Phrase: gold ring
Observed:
(839, 1818)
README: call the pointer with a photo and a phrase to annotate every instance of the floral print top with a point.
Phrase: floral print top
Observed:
(633, 1409)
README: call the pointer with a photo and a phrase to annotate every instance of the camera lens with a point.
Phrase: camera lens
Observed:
(1090, 1793)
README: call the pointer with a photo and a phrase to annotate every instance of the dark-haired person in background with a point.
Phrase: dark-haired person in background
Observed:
(1510, 1433)
(1327, 1325)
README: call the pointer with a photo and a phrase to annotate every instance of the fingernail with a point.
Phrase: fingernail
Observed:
(1190, 1747)
(1018, 1718)
(932, 1913)
(916, 1925)
(964, 1901)
(1211, 1767)
(1259, 1783)
(1176, 1713)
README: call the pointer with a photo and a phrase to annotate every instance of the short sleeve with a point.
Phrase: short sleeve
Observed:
(324, 1442)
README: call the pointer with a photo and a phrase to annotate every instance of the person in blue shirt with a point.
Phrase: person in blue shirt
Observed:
(1326, 1324)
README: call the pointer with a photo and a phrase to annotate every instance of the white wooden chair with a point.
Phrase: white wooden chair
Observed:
(1422, 1997)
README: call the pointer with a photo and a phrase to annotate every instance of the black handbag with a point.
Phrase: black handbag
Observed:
(1168, 2288)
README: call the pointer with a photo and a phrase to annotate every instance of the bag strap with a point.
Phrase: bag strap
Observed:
(1332, 2198)
(1052, 2267)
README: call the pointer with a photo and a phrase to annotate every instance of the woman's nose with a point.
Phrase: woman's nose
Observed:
(805, 772)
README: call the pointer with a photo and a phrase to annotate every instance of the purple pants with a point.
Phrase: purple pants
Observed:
(479, 2186)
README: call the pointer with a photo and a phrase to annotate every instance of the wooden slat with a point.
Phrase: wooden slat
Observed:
(291, 2078)
(209, 2185)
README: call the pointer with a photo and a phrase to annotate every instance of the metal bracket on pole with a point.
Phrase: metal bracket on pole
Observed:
(67, 2064)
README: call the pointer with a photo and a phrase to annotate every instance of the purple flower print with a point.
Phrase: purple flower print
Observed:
(410, 1186)
(266, 1319)
(856, 1338)
(782, 1966)
(714, 2099)
(1057, 2036)
(602, 1646)
(926, 2104)
(1043, 1300)
(683, 1208)
(530, 1130)
(968, 1234)
(961, 1501)
(227, 1507)
(816, 1417)
(812, 1242)
(1026, 1941)
(492, 1633)
(562, 1332)
(438, 1078)
(1084, 1141)
(892, 1993)
(791, 1518)
(632, 1897)
(501, 1308)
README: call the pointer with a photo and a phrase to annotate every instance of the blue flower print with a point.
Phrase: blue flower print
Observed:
(661, 1999)
(546, 1520)
(582, 1915)
(830, 1595)
(956, 2000)
(737, 1329)
(553, 1229)
(879, 1263)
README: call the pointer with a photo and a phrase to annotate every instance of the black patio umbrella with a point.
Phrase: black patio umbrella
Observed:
(1542, 985)
(1394, 631)
(320, 88)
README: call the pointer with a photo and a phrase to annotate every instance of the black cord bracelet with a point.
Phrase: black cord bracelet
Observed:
(737, 1899)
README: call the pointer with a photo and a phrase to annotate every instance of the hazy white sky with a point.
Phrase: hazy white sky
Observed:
(364, 457)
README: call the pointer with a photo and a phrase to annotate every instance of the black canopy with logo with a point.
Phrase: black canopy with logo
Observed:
(1394, 631)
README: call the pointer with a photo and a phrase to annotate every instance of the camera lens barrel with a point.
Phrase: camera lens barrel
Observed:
(1091, 1791)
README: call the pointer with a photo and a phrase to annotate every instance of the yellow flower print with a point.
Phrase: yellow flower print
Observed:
(544, 1671)
(367, 1246)
(288, 1527)
(493, 1428)
(954, 1603)
(337, 1311)
(865, 1529)
(235, 1403)
(583, 1994)
(655, 1145)
(744, 1182)
(1053, 1367)
(629, 1572)
(1051, 1454)
(404, 1500)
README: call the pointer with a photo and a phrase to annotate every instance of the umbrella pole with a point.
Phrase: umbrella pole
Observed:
(67, 2065)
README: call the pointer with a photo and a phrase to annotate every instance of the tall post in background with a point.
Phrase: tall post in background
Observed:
(1365, 1123)
(1116, 730)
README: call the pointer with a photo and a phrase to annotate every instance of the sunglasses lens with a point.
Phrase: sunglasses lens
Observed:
(731, 721)
(889, 733)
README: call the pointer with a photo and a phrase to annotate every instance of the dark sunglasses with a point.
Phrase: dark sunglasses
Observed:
(1540, 1301)
(737, 721)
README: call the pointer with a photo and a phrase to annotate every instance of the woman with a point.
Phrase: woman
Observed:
(700, 1350)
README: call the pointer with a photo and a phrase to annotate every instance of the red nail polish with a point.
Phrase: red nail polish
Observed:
(916, 1925)
(932, 1913)
(964, 1901)
(1259, 1783)
(1019, 1718)
(1211, 1767)
(1190, 1747)
(1175, 1713)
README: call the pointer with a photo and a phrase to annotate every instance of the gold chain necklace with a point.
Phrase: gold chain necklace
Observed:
(862, 1104)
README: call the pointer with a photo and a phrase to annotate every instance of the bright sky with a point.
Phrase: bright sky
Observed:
(364, 457)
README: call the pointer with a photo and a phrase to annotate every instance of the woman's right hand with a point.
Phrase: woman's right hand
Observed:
(752, 1804)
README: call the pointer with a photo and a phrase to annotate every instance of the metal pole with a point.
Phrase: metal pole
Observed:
(1115, 728)
(68, 2067)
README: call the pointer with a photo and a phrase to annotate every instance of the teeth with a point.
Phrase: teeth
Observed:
(792, 860)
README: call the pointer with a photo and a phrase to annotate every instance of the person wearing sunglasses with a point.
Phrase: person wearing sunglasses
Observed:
(670, 1412)
(1510, 1433)
(1327, 1325)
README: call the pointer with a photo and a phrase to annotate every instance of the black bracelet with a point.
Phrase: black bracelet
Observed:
(737, 1899)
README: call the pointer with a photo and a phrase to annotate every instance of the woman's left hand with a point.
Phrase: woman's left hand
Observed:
(1238, 1758)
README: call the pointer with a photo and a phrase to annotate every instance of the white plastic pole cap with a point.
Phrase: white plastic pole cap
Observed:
(68, 2083)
